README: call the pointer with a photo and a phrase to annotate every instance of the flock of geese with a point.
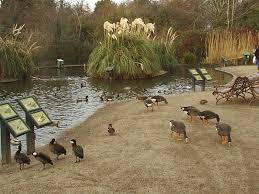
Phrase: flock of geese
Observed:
(178, 128)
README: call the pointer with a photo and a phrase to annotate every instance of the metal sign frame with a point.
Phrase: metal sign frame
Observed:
(12, 109)
(195, 75)
(36, 122)
(25, 107)
(13, 130)
(204, 73)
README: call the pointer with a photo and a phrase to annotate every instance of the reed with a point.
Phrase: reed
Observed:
(228, 44)
(16, 55)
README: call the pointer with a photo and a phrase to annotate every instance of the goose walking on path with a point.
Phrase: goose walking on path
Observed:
(159, 99)
(149, 103)
(206, 115)
(56, 148)
(43, 158)
(77, 149)
(179, 127)
(191, 112)
(111, 130)
(224, 130)
(21, 158)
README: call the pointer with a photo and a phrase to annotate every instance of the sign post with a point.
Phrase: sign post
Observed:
(10, 122)
(195, 77)
(205, 75)
(35, 116)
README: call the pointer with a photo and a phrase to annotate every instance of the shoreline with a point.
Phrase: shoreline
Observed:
(142, 158)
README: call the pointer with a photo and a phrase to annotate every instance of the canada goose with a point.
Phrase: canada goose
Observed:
(56, 148)
(191, 111)
(77, 149)
(43, 158)
(159, 99)
(111, 130)
(179, 127)
(149, 103)
(206, 115)
(202, 102)
(141, 97)
(224, 129)
(21, 158)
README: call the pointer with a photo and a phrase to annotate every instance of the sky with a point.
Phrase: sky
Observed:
(91, 3)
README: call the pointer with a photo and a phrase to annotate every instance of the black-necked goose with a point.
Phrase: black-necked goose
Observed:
(159, 99)
(206, 115)
(43, 158)
(111, 130)
(77, 149)
(179, 127)
(21, 158)
(224, 131)
(56, 148)
(191, 111)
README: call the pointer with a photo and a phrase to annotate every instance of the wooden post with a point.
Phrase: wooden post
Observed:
(5, 144)
(30, 136)
(203, 85)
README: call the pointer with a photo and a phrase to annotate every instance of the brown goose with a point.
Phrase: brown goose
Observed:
(77, 149)
(56, 148)
(179, 127)
(21, 158)
(191, 112)
(43, 158)
(158, 99)
(141, 97)
(111, 130)
(224, 130)
(149, 103)
(206, 115)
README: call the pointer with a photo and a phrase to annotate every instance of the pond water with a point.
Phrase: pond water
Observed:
(60, 94)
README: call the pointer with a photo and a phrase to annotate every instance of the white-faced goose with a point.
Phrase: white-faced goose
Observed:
(206, 115)
(159, 99)
(224, 130)
(111, 130)
(179, 127)
(77, 149)
(56, 148)
(191, 112)
(43, 158)
(21, 158)
(149, 103)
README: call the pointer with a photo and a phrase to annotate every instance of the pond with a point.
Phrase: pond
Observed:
(60, 94)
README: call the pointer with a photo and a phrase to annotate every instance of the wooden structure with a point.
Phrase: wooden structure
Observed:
(255, 93)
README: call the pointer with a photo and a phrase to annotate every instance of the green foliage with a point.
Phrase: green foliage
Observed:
(126, 56)
(16, 57)
(189, 58)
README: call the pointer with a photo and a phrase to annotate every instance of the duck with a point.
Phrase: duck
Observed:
(141, 98)
(56, 148)
(82, 99)
(149, 103)
(111, 130)
(179, 127)
(82, 85)
(224, 130)
(159, 99)
(55, 123)
(191, 111)
(202, 102)
(21, 158)
(77, 149)
(43, 158)
(206, 115)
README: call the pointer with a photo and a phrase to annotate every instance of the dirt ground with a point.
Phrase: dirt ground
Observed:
(142, 158)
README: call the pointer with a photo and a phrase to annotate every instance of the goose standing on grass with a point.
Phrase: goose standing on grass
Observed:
(111, 130)
(159, 99)
(179, 127)
(149, 103)
(21, 158)
(224, 130)
(43, 158)
(77, 149)
(206, 115)
(56, 148)
(191, 112)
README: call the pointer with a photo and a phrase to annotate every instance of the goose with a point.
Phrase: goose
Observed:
(179, 127)
(191, 111)
(43, 158)
(111, 130)
(159, 99)
(149, 103)
(21, 158)
(206, 115)
(56, 148)
(77, 149)
(141, 97)
(224, 130)
(202, 102)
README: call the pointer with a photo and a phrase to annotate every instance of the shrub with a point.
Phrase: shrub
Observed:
(189, 58)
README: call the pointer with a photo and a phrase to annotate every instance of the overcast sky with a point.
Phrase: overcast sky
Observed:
(91, 3)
